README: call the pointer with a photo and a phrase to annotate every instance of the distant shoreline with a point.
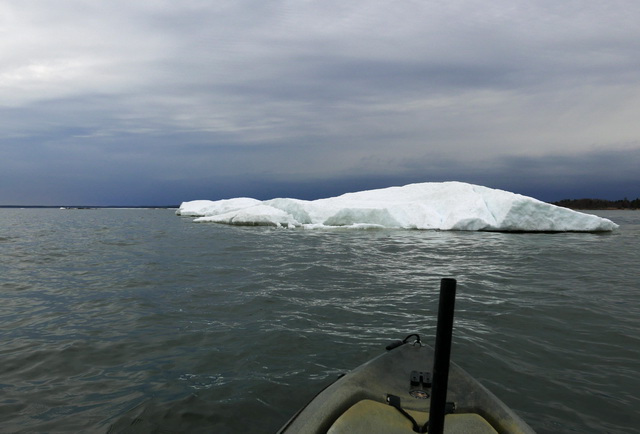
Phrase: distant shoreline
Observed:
(576, 204)
(599, 204)
(63, 207)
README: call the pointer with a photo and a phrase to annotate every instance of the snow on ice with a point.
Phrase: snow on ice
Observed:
(435, 206)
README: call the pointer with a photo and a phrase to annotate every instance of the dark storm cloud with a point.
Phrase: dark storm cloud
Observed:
(224, 97)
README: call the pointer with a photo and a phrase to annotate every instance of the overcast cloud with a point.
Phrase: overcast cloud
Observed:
(155, 102)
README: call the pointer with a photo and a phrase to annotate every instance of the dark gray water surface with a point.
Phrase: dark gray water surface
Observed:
(116, 320)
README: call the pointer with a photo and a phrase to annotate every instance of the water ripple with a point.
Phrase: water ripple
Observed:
(135, 319)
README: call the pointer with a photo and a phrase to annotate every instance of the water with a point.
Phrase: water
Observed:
(139, 320)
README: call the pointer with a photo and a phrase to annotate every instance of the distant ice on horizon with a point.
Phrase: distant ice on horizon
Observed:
(449, 206)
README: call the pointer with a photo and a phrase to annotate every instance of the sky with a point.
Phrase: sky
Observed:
(155, 102)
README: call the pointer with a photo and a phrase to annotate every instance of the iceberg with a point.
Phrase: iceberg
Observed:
(447, 206)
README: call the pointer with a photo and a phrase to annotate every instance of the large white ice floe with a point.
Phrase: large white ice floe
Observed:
(432, 205)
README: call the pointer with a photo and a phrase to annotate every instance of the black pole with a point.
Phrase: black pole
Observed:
(442, 354)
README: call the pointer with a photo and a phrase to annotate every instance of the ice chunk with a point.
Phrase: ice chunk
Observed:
(199, 208)
(441, 206)
(258, 215)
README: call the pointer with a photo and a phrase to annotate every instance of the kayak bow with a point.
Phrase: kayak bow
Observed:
(397, 392)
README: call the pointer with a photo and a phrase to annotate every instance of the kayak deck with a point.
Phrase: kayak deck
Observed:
(358, 402)
(373, 417)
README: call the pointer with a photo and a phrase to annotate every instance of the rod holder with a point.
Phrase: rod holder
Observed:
(442, 355)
